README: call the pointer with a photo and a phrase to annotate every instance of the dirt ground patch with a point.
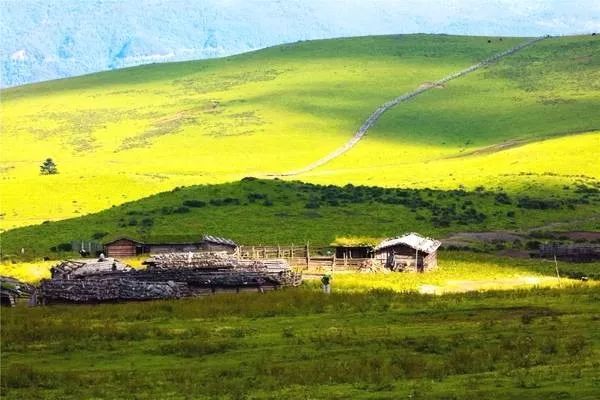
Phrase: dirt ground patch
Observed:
(580, 235)
(427, 85)
(468, 238)
(459, 286)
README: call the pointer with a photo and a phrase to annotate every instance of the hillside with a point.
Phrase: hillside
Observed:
(64, 38)
(255, 211)
(123, 135)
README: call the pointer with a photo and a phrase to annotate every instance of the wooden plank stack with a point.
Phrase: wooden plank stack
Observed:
(109, 289)
(168, 275)
(77, 268)
(12, 289)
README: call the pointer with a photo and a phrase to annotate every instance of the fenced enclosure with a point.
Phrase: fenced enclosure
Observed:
(303, 257)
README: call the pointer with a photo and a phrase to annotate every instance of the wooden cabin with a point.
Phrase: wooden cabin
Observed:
(128, 247)
(410, 252)
(123, 247)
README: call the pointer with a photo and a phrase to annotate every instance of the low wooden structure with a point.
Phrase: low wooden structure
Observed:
(128, 247)
(410, 252)
(168, 275)
(576, 252)
(12, 289)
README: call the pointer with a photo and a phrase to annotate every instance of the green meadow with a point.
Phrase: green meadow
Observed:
(259, 211)
(363, 341)
(122, 135)
(533, 112)
(174, 151)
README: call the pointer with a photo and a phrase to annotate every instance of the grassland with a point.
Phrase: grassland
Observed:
(122, 135)
(126, 134)
(358, 342)
(256, 211)
(533, 112)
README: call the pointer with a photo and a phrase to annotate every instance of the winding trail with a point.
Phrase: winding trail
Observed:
(405, 97)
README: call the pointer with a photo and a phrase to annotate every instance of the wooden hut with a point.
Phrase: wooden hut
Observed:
(123, 247)
(128, 247)
(410, 252)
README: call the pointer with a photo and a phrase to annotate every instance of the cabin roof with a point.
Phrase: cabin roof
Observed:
(355, 242)
(218, 240)
(117, 238)
(414, 240)
(174, 240)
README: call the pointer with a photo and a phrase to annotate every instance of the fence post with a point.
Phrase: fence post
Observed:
(307, 255)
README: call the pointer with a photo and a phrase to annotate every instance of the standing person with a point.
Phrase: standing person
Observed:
(326, 281)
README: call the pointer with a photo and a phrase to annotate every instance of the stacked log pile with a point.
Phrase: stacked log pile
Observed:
(371, 266)
(11, 289)
(212, 261)
(169, 275)
(79, 268)
(110, 289)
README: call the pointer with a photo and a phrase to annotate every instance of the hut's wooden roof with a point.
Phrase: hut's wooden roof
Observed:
(413, 240)
(218, 240)
(355, 242)
(175, 239)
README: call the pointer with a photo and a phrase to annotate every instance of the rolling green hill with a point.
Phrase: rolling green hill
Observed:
(256, 211)
(122, 135)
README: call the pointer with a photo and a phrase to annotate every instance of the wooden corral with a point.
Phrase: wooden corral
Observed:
(410, 252)
(576, 252)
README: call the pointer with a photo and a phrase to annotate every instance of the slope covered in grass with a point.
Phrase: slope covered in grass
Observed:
(125, 134)
(533, 112)
(525, 125)
(257, 212)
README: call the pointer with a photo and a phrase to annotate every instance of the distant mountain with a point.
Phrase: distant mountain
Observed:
(48, 39)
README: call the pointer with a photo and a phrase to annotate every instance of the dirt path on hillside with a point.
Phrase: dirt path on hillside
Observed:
(374, 117)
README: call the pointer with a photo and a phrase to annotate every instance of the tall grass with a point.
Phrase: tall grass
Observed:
(291, 342)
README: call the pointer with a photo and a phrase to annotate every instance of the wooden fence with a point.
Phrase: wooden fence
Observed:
(302, 257)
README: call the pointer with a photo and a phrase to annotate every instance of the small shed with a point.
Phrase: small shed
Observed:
(410, 252)
(129, 247)
(123, 247)
(353, 248)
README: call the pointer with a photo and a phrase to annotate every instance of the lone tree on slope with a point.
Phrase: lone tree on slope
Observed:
(48, 167)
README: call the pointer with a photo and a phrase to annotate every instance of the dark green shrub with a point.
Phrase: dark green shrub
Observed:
(502, 198)
(99, 235)
(194, 203)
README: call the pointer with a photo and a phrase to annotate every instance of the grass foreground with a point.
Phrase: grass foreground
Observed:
(374, 337)
(300, 343)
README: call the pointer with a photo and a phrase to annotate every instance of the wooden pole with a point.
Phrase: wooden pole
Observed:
(417, 259)
(307, 255)
(556, 266)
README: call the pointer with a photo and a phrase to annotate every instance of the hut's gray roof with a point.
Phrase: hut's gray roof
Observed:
(414, 240)
(218, 240)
